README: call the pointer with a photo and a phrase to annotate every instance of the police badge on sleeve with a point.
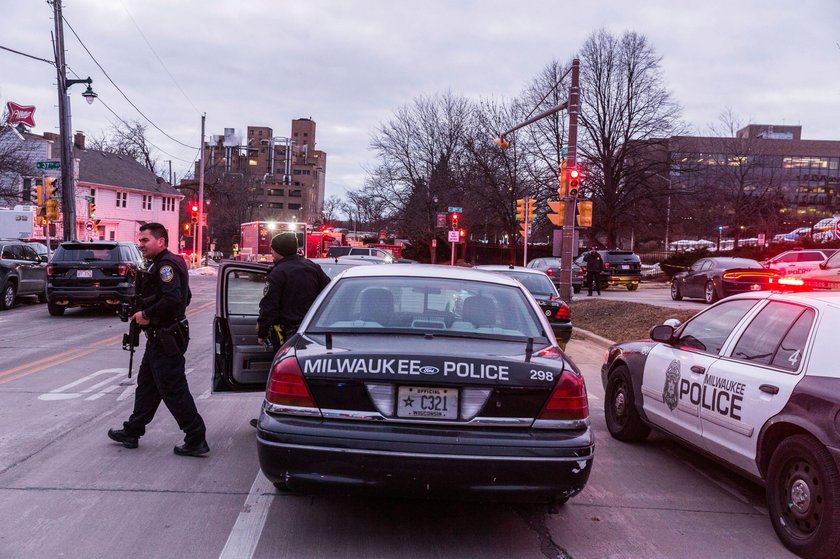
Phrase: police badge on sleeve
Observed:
(670, 394)
(166, 273)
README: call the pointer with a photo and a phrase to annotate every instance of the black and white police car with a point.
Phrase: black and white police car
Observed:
(421, 380)
(754, 382)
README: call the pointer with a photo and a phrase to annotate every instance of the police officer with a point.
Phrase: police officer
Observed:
(165, 297)
(290, 289)
(594, 267)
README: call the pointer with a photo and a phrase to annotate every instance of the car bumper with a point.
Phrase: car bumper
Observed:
(76, 296)
(358, 457)
(621, 279)
(562, 331)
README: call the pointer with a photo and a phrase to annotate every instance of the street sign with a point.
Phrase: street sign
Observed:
(47, 165)
(837, 229)
(88, 225)
(564, 152)
(441, 220)
(454, 236)
(455, 210)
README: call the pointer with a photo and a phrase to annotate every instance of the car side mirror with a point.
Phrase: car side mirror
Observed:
(823, 266)
(43, 258)
(662, 333)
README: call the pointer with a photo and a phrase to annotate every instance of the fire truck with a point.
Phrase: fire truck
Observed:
(255, 240)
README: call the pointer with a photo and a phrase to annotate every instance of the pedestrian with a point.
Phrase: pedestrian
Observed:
(594, 267)
(165, 296)
(291, 287)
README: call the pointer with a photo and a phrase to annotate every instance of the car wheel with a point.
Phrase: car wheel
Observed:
(710, 293)
(7, 299)
(576, 288)
(803, 497)
(42, 297)
(633, 287)
(623, 421)
(55, 310)
(676, 295)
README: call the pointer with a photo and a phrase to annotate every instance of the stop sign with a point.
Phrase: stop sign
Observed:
(837, 229)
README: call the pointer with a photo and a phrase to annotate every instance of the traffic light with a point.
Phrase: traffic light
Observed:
(462, 236)
(39, 195)
(574, 182)
(520, 209)
(563, 191)
(523, 227)
(52, 210)
(186, 229)
(50, 188)
(194, 216)
(559, 209)
(91, 208)
(584, 218)
(454, 217)
(532, 209)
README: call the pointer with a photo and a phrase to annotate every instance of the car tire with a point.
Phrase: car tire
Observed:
(42, 297)
(577, 288)
(710, 293)
(633, 287)
(7, 298)
(676, 294)
(803, 497)
(623, 420)
(55, 310)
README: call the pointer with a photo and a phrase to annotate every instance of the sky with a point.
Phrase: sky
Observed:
(350, 64)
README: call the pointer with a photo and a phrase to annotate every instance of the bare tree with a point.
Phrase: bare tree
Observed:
(625, 108)
(16, 163)
(126, 138)
(332, 206)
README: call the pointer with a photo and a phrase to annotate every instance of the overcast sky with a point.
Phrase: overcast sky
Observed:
(348, 64)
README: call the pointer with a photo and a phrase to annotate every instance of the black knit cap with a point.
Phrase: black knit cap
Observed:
(285, 244)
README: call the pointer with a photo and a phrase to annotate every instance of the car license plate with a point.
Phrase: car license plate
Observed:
(427, 402)
(624, 267)
(84, 273)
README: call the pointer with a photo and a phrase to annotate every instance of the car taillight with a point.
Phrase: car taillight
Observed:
(50, 270)
(122, 270)
(549, 272)
(563, 313)
(606, 265)
(287, 388)
(739, 275)
(567, 401)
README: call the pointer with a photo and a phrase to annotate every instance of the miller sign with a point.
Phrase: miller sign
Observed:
(20, 114)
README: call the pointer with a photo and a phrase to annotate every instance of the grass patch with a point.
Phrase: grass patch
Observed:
(620, 321)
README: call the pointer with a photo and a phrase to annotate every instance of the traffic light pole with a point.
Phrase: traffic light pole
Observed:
(569, 218)
(199, 227)
(527, 226)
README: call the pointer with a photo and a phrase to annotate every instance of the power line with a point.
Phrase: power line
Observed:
(121, 91)
(151, 48)
(50, 62)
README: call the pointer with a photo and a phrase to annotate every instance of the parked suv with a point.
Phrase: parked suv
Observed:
(91, 273)
(335, 252)
(621, 267)
(22, 272)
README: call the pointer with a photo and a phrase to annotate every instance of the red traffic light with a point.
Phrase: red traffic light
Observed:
(574, 181)
(195, 207)
(574, 173)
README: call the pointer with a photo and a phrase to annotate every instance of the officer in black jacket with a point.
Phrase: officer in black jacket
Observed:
(166, 295)
(290, 289)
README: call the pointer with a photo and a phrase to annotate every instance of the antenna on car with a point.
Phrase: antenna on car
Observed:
(529, 350)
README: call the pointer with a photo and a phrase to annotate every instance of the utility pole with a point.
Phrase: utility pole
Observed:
(68, 191)
(201, 216)
(568, 235)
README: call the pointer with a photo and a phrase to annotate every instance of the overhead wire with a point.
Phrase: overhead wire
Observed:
(130, 102)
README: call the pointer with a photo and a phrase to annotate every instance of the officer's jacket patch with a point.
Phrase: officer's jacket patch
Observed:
(166, 273)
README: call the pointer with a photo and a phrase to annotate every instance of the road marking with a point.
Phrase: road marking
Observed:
(61, 393)
(246, 532)
(204, 395)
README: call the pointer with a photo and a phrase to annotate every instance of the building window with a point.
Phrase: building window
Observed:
(93, 194)
(122, 199)
(294, 194)
(294, 206)
(296, 172)
(306, 172)
(112, 235)
(276, 205)
(276, 192)
(147, 202)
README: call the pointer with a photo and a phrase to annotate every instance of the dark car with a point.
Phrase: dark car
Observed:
(552, 267)
(720, 276)
(424, 381)
(91, 274)
(540, 286)
(22, 272)
(621, 267)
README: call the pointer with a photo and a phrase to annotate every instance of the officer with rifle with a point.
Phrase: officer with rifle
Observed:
(164, 297)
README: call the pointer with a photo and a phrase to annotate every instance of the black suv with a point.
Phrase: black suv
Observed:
(91, 273)
(621, 267)
(22, 272)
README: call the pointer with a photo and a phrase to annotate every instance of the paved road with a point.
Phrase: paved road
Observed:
(650, 294)
(67, 491)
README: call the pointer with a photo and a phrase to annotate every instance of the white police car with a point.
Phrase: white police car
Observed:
(753, 381)
(423, 380)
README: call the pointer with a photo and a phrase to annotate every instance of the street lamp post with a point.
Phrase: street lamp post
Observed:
(68, 186)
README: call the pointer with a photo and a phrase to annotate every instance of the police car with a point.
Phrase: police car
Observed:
(753, 381)
(421, 380)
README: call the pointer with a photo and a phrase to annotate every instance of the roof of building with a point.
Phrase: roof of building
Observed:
(120, 171)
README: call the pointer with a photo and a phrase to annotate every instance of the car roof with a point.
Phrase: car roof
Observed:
(503, 268)
(430, 271)
(822, 298)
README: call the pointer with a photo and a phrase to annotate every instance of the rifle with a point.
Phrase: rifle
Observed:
(125, 311)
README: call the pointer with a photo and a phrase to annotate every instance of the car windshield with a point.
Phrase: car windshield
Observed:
(833, 261)
(333, 270)
(538, 284)
(87, 253)
(421, 305)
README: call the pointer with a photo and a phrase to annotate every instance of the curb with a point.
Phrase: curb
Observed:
(586, 335)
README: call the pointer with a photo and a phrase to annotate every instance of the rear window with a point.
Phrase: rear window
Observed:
(87, 253)
(338, 251)
(537, 284)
